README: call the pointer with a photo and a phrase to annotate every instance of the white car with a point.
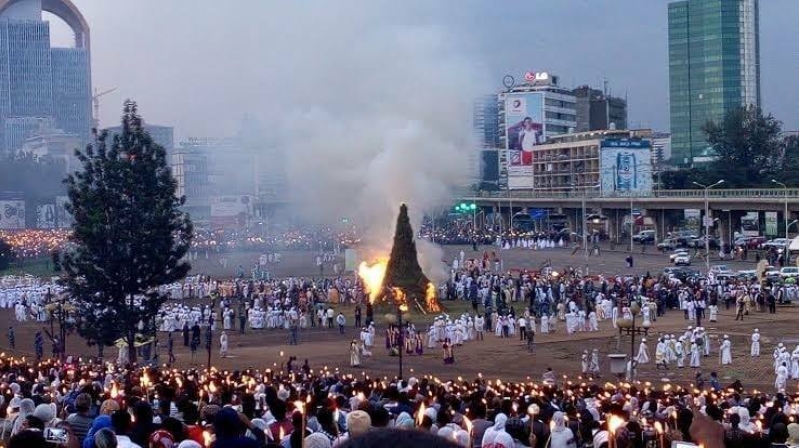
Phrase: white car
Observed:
(720, 269)
(683, 259)
(677, 253)
(789, 271)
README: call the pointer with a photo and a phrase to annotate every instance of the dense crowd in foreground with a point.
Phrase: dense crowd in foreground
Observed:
(108, 407)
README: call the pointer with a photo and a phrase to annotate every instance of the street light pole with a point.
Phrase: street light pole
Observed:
(707, 221)
(785, 192)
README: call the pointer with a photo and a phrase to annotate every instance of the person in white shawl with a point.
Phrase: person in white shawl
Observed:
(562, 437)
(495, 436)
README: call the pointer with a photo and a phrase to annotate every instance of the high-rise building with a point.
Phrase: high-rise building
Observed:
(529, 114)
(163, 135)
(597, 110)
(38, 82)
(714, 67)
(484, 160)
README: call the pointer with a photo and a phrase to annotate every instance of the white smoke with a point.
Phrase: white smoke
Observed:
(373, 111)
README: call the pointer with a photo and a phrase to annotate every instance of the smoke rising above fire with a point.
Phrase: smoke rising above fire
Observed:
(376, 111)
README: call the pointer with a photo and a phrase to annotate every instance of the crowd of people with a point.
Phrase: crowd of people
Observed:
(76, 404)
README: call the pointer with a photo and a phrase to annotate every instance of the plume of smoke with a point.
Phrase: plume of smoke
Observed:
(377, 112)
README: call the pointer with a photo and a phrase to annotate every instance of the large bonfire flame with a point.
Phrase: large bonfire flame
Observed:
(372, 276)
(399, 278)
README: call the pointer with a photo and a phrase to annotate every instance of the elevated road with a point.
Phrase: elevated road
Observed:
(754, 199)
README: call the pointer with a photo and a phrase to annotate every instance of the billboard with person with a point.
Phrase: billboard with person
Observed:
(626, 167)
(12, 215)
(524, 130)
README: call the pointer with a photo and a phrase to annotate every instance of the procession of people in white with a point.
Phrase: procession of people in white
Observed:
(479, 281)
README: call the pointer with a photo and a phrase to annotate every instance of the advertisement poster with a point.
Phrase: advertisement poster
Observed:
(771, 223)
(693, 217)
(626, 167)
(12, 215)
(63, 218)
(45, 216)
(524, 130)
(230, 211)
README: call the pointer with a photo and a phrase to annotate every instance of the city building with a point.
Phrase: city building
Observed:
(53, 143)
(38, 82)
(190, 168)
(529, 114)
(661, 148)
(484, 161)
(163, 135)
(714, 67)
(597, 110)
(576, 163)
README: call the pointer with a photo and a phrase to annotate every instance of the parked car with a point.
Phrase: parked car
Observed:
(789, 271)
(682, 259)
(644, 236)
(747, 274)
(668, 244)
(772, 273)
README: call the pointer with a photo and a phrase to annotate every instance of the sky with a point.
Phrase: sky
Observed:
(202, 65)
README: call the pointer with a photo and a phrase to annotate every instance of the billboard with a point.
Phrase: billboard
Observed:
(63, 218)
(524, 130)
(12, 215)
(771, 224)
(230, 211)
(625, 167)
(45, 216)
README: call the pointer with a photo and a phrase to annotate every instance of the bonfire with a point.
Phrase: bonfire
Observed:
(398, 279)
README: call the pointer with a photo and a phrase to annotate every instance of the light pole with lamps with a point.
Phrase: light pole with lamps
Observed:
(707, 221)
(785, 192)
(402, 308)
(585, 223)
(628, 326)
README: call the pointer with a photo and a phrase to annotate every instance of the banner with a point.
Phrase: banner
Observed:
(45, 216)
(230, 211)
(771, 224)
(625, 167)
(524, 130)
(12, 215)
(63, 218)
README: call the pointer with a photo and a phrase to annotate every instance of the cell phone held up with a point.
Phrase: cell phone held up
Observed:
(55, 435)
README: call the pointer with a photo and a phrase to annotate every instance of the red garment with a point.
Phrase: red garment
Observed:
(275, 427)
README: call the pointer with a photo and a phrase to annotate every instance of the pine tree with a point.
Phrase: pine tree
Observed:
(129, 234)
(403, 270)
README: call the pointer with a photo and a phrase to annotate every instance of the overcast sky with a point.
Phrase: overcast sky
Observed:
(202, 65)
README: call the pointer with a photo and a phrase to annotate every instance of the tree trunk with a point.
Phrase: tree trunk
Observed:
(131, 347)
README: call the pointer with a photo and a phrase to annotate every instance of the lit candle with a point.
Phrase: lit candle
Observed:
(659, 429)
(468, 424)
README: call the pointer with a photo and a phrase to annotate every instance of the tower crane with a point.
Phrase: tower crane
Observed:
(96, 101)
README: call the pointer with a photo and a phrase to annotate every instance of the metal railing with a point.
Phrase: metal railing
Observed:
(745, 193)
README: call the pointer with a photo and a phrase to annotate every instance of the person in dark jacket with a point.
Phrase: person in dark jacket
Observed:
(229, 428)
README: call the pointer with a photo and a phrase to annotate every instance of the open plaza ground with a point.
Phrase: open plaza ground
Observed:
(493, 358)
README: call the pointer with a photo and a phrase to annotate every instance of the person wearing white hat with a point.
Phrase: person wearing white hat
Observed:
(643, 353)
(726, 351)
(680, 353)
(755, 349)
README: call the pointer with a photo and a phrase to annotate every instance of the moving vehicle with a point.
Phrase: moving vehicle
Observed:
(699, 243)
(668, 244)
(683, 259)
(720, 269)
(676, 253)
(644, 236)
(789, 271)
(779, 244)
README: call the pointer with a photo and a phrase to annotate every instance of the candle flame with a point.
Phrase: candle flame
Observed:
(420, 415)
(658, 427)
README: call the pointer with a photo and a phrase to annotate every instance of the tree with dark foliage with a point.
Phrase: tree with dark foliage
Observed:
(129, 234)
(749, 147)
